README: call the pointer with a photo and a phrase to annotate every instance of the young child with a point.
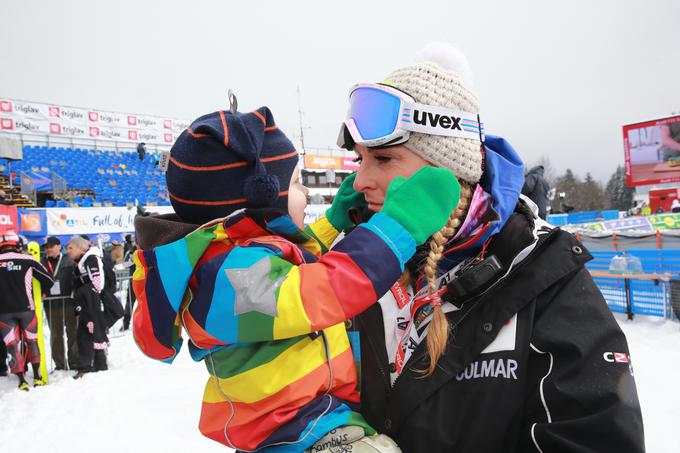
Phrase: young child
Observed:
(261, 305)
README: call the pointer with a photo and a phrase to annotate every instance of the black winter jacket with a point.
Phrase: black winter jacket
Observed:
(537, 188)
(89, 288)
(562, 382)
(61, 270)
(16, 290)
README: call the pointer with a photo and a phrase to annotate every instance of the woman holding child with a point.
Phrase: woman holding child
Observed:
(479, 327)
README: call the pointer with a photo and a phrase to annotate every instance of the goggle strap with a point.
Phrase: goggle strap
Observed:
(432, 120)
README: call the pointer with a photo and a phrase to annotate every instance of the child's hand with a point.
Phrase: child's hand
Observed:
(345, 199)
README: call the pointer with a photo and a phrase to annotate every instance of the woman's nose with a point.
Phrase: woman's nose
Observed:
(362, 181)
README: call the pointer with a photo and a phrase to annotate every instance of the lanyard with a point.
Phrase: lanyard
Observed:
(55, 270)
(400, 295)
(418, 302)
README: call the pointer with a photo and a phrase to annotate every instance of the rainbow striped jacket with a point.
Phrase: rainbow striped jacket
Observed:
(263, 305)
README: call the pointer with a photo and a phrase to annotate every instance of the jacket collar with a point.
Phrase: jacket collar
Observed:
(156, 231)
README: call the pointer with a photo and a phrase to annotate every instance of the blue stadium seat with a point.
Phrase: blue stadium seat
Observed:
(97, 170)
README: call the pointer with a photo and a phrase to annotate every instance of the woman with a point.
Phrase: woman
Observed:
(495, 338)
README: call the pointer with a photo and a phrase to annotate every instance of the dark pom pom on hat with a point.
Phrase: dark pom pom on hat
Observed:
(262, 190)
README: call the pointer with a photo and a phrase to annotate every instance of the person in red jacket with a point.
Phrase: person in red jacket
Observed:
(18, 323)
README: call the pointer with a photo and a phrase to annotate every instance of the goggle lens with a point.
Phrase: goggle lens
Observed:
(374, 112)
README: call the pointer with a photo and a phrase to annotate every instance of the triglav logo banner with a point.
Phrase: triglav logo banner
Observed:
(58, 120)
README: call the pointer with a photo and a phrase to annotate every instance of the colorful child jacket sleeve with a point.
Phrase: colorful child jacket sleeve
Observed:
(260, 289)
(322, 234)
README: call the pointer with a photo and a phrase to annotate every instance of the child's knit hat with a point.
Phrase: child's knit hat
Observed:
(227, 161)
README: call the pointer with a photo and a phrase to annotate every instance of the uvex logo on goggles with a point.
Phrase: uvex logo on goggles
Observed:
(429, 119)
(447, 122)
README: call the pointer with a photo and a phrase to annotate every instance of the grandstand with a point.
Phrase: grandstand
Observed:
(94, 177)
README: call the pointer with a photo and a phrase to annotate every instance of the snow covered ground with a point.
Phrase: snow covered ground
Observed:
(143, 405)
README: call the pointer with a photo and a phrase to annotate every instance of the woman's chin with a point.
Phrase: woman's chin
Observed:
(374, 207)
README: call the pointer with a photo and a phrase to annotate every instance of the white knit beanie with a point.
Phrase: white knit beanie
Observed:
(441, 77)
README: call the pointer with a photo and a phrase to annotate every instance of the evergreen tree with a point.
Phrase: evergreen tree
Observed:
(591, 195)
(581, 195)
(619, 194)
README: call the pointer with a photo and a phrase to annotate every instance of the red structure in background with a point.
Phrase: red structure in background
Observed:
(660, 200)
(8, 219)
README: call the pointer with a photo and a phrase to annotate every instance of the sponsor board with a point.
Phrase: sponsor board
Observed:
(9, 219)
(73, 122)
(320, 162)
(64, 221)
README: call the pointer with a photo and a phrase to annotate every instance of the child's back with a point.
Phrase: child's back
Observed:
(261, 307)
(270, 380)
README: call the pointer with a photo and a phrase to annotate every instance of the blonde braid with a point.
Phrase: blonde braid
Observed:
(438, 332)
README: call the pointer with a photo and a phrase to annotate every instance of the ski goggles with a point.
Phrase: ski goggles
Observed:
(381, 115)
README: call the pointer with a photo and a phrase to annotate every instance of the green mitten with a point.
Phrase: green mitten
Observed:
(345, 199)
(422, 203)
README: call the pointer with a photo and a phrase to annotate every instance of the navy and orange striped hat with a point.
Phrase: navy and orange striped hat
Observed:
(227, 161)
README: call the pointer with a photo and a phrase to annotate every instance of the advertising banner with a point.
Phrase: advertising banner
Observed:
(32, 222)
(349, 163)
(640, 223)
(322, 162)
(8, 219)
(652, 151)
(69, 221)
(73, 122)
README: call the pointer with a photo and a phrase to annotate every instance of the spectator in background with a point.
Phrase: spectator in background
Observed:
(675, 206)
(3, 198)
(117, 254)
(129, 245)
(646, 209)
(18, 324)
(536, 188)
(91, 331)
(59, 306)
(3, 359)
(129, 263)
(141, 150)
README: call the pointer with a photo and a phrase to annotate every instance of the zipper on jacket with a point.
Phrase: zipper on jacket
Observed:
(386, 378)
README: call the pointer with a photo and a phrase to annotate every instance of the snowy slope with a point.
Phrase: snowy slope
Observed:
(655, 351)
(140, 405)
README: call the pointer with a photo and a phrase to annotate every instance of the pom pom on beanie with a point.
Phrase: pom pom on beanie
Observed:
(441, 76)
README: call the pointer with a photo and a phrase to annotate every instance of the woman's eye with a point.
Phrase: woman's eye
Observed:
(383, 159)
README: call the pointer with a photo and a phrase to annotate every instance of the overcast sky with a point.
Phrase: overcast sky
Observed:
(555, 78)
